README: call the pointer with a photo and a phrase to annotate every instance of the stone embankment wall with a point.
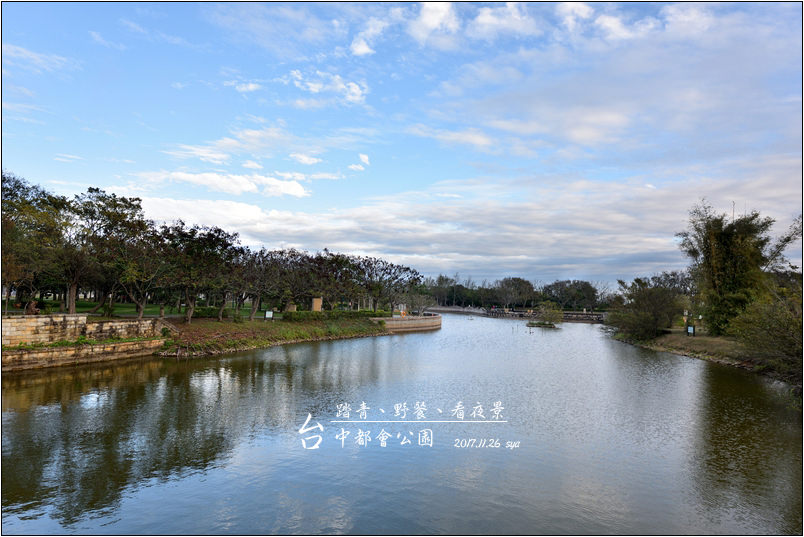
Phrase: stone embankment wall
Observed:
(46, 329)
(16, 360)
(31, 329)
(410, 323)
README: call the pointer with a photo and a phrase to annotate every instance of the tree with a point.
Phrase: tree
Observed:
(384, 281)
(125, 245)
(197, 255)
(728, 257)
(32, 219)
(440, 288)
(513, 291)
(418, 299)
(645, 309)
(549, 312)
(261, 272)
(296, 276)
(334, 277)
(572, 294)
(771, 326)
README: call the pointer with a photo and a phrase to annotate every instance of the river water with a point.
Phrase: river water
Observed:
(589, 435)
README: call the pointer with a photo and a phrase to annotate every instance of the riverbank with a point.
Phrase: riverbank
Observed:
(207, 337)
(720, 350)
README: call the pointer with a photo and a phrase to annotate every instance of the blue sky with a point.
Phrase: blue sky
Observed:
(539, 140)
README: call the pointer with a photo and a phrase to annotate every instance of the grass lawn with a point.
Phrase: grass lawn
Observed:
(208, 336)
(729, 351)
(719, 347)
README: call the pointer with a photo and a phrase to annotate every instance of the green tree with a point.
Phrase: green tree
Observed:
(418, 299)
(549, 312)
(771, 326)
(514, 291)
(197, 255)
(728, 257)
(645, 309)
(32, 219)
(384, 281)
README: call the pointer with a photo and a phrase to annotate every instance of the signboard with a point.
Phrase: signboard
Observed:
(690, 330)
(269, 315)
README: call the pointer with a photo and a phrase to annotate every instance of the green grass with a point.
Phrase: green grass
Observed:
(208, 336)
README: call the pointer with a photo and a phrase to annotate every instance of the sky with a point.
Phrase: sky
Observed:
(546, 141)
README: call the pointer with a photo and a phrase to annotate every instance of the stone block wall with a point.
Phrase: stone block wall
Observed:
(16, 360)
(410, 323)
(124, 328)
(30, 329)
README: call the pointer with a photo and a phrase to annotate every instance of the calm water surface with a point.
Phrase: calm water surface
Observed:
(612, 439)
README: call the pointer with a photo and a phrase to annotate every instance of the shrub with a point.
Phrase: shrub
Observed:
(295, 316)
(210, 312)
(771, 328)
(647, 308)
(550, 313)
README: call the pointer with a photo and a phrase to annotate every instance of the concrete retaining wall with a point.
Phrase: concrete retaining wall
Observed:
(15, 360)
(410, 323)
(30, 329)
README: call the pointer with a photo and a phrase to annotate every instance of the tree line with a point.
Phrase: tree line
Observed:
(101, 245)
(517, 292)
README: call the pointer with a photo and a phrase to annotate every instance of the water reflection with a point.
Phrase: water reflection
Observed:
(614, 439)
(741, 482)
(77, 437)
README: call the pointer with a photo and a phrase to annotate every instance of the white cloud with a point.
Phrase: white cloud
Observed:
(19, 89)
(571, 12)
(228, 215)
(64, 157)
(304, 159)
(359, 47)
(133, 26)
(98, 38)
(567, 228)
(323, 82)
(591, 126)
(231, 183)
(242, 87)
(687, 20)
(309, 104)
(511, 19)
(325, 175)
(356, 167)
(361, 44)
(470, 136)
(436, 25)
(21, 107)
(295, 176)
(285, 30)
(178, 85)
(252, 165)
(364, 159)
(255, 141)
(614, 28)
(203, 153)
(155, 36)
(518, 126)
(35, 61)
(482, 73)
